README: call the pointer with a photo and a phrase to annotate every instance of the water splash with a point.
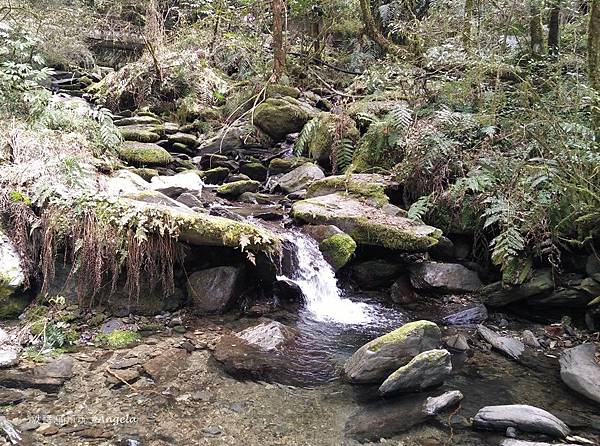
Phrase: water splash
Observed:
(316, 279)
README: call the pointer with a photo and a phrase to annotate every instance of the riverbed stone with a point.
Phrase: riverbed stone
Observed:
(498, 295)
(214, 290)
(376, 360)
(402, 292)
(256, 351)
(284, 165)
(365, 222)
(426, 370)
(444, 278)
(175, 185)
(237, 188)
(511, 347)
(278, 117)
(216, 175)
(144, 154)
(580, 370)
(338, 250)
(476, 314)
(255, 171)
(369, 187)
(299, 178)
(139, 133)
(374, 274)
(522, 417)
(137, 120)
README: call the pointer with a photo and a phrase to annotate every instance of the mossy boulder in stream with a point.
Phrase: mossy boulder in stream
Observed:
(371, 187)
(376, 360)
(144, 154)
(12, 279)
(366, 223)
(140, 133)
(237, 188)
(278, 117)
(338, 250)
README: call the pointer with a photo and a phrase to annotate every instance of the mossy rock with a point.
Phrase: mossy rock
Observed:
(376, 360)
(278, 90)
(338, 250)
(366, 223)
(367, 186)
(215, 176)
(278, 117)
(137, 134)
(144, 154)
(183, 138)
(138, 120)
(285, 165)
(237, 188)
(322, 140)
(13, 304)
(255, 171)
(145, 172)
(118, 339)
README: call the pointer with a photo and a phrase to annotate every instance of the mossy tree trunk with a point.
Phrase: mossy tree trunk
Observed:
(594, 63)
(373, 31)
(554, 29)
(536, 31)
(278, 45)
(468, 18)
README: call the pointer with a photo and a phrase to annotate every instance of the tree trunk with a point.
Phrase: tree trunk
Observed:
(468, 18)
(536, 31)
(594, 63)
(278, 47)
(554, 29)
(373, 31)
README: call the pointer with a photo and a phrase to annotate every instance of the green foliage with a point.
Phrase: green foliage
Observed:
(307, 133)
(118, 339)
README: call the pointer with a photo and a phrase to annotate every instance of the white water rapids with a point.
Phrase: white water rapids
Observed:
(316, 279)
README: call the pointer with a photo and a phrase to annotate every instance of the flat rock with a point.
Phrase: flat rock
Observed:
(299, 178)
(365, 223)
(144, 154)
(120, 376)
(168, 365)
(507, 345)
(470, 316)
(580, 370)
(58, 368)
(9, 397)
(522, 417)
(444, 277)
(376, 360)
(498, 295)
(174, 186)
(17, 380)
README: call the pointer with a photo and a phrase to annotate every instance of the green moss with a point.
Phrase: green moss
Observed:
(371, 191)
(19, 197)
(138, 134)
(338, 249)
(275, 90)
(11, 304)
(280, 117)
(144, 154)
(146, 173)
(118, 339)
(215, 176)
(427, 328)
(285, 165)
(322, 141)
(238, 188)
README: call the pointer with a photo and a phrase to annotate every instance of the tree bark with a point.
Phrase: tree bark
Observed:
(594, 63)
(278, 46)
(468, 18)
(554, 29)
(536, 31)
(373, 31)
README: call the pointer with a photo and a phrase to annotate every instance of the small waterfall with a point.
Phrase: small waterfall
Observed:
(316, 279)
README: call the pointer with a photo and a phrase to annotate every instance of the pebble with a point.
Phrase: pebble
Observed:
(47, 429)
(212, 431)
(530, 339)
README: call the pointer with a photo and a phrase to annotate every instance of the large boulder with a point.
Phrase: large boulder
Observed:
(144, 154)
(322, 139)
(426, 370)
(255, 352)
(497, 295)
(522, 417)
(278, 117)
(214, 290)
(366, 223)
(376, 360)
(299, 178)
(580, 370)
(12, 279)
(444, 278)
(374, 274)
(174, 186)
(370, 187)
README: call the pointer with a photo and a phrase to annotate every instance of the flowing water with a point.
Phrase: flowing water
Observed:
(333, 324)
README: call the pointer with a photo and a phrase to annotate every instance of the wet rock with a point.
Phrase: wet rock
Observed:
(288, 290)
(385, 419)
(580, 370)
(444, 250)
(376, 360)
(216, 175)
(214, 290)
(255, 352)
(278, 117)
(284, 165)
(190, 200)
(299, 178)
(8, 358)
(470, 316)
(254, 171)
(374, 274)
(168, 365)
(338, 250)
(426, 370)
(402, 292)
(522, 417)
(237, 188)
(509, 346)
(497, 295)
(365, 223)
(144, 154)
(174, 186)
(444, 278)
(530, 339)
(457, 342)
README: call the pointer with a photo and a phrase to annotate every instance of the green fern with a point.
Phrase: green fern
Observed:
(109, 133)
(401, 118)
(305, 136)
(420, 207)
(344, 152)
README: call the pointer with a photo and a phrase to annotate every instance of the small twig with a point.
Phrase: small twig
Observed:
(450, 423)
(111, 373)
(333, 90)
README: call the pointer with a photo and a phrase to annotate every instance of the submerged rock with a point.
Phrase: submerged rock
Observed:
(522, 417)
(376, 360)
(444, 278)
(580, 370)
(256, 351)
(214, 290)
(365, 222)
(299, 178)
(426, 370)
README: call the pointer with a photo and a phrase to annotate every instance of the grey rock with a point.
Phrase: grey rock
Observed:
(509, 346)
(580, 371)
(376, 360)
(426, 370)
(530, 339)
(214, 290)
(457, 342)
(374, 274)
(299, 178)
(59, 368)
(176, 185)
(8, 358)
(8, 430)
(474, 315)
(511, 432)
(513, 442)
(444, 277)
(190, 200)
(522, 417)
(435, 405)
(497, 295)
(402, 292)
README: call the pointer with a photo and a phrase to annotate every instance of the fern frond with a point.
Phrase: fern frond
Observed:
(401, 118)
(344, 154)
(305, 136)
(420, 207)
